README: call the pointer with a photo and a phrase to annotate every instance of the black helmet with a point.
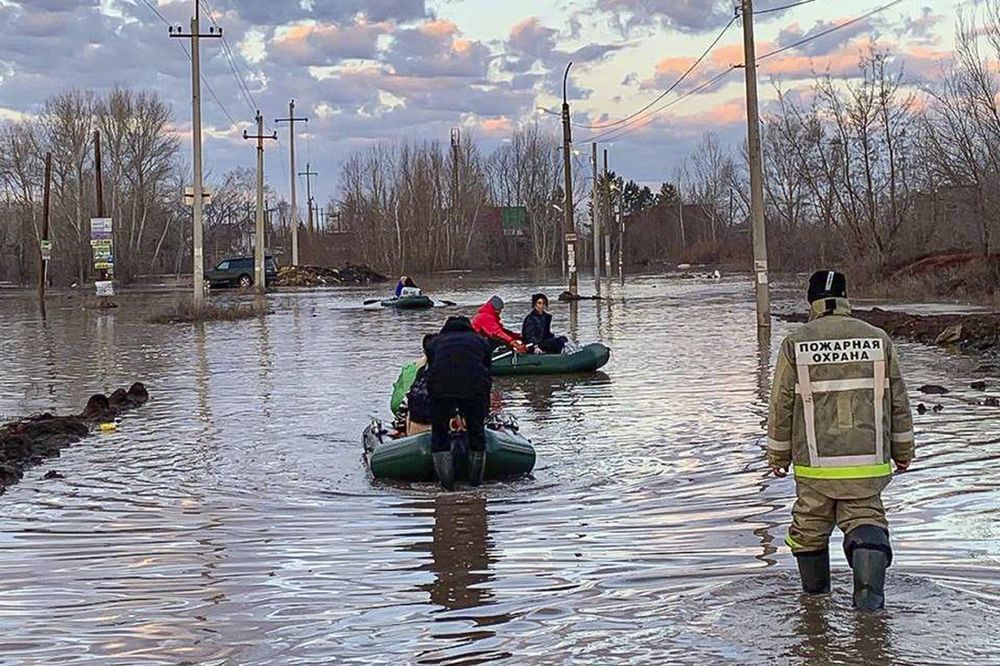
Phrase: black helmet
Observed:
(827, 284)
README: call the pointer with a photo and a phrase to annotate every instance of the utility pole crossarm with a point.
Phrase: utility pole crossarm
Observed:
(291, 120)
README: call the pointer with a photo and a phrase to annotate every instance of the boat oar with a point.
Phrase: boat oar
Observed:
(447, 303)
(372, 301)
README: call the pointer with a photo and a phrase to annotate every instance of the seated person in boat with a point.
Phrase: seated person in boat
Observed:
(487, 323)
(537, 328)
(407, 287)
(459, 380)
(411, 394)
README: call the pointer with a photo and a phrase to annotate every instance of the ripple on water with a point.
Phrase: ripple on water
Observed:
(231, 520)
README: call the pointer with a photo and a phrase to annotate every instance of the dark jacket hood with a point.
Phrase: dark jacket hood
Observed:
(457, 325)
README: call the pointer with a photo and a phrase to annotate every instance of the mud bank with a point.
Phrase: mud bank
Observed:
(973, 333)
(28, 442)
(318, 276)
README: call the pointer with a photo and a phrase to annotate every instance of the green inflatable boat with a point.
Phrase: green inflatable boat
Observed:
(588, 359)
(508, 454)
(415, 302)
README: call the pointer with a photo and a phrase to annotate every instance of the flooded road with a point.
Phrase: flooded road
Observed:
(231, 521)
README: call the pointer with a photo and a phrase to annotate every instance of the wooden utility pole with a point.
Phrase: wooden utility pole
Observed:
(456, 144)
(98, 185)
(756, 173)
(596, 210)
(43, 262)
(570, 227)
(291, 120)
(259, 278)
(308, 173)
(198, 204)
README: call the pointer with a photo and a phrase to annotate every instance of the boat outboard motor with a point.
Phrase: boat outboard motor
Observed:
(869, 554)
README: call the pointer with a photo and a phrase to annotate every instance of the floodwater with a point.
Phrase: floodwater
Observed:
(231, 521)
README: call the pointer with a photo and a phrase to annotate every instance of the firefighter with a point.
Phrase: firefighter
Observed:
(839, 413)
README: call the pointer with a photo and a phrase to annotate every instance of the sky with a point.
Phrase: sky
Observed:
(365, 71)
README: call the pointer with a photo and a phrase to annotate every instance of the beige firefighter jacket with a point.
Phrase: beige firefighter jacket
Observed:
(839, 409)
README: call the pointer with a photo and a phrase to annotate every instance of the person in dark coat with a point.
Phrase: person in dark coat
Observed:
(458, 377)
(537, 328)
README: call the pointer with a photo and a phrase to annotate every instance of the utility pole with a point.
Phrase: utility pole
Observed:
(595, 214)
(198, 202)
(607, 216)
(308, 173)
(680, 221)
(570, 227)
(259, 278)
(756, 173)
(99, 195)
(44, 247)
(456, 143)
(291, 120)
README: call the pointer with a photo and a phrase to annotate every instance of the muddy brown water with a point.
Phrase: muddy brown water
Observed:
(231, 521)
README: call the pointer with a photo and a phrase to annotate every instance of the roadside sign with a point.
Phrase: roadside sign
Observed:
(105, 288)
(570, 238)
(46, 248)
(100, 228)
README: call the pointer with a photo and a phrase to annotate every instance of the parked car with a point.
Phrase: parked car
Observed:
(238, 272)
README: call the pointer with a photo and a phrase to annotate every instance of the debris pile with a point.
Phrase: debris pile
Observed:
(27, 442)
(318, 276)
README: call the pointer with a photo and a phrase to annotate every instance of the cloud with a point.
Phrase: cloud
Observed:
(632, 16)
(316, 43)
(842, 33)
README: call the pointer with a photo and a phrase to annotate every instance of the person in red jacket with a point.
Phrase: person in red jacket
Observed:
(487, 323)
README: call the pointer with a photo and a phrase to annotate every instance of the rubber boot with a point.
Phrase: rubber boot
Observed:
(814, 571)
(869, 554)
(444, 468)
(477, 467)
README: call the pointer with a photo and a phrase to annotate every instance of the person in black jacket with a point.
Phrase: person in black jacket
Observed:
(458, 376)
(537, 328)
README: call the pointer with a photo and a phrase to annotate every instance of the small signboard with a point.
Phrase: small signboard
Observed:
(206, 196)
(100, 228)
(570, 238)
(46, 248)
(105, 288)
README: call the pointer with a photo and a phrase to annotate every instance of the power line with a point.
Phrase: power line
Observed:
(230, 58)
(672, 87)
(622, 131)
(783, 8)
(208, 86)
(824, 33)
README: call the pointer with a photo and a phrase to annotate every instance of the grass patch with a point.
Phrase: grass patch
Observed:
(184, 312)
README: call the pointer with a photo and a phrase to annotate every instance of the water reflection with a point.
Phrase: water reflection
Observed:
(460, 552)
(830, 635)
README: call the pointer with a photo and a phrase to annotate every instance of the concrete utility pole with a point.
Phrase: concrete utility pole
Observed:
(291, 120)
(308, 173)
(456, 144)
(570, 229)
(756, 173)
(607, 216)
(595, 219)
(259, 278)
(198, 202)
(680, 221)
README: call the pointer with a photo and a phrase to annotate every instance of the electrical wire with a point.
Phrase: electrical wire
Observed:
(783, 8)
(227, 50)
(208, 86)
(824, 33)
(623, 131)
(673, 86)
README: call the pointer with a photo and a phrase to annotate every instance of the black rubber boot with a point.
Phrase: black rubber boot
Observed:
(869, 554)
(477, 467)
(814, 570)
(444, 467)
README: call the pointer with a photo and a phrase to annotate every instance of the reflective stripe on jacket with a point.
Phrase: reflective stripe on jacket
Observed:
(839, 409)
